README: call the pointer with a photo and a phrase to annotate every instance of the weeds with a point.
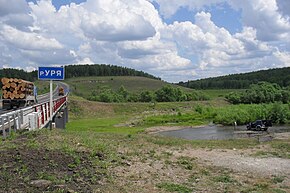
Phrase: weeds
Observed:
(186, 162)
(172, 187)
(278, 179)
(224, 178)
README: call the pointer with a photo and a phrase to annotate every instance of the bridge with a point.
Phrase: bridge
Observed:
(38, 115)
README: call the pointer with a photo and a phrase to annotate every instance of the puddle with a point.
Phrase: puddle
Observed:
(222, 132)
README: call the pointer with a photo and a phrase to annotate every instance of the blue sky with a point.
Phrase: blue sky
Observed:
(175, 40)
(222, 15)
(59, 3)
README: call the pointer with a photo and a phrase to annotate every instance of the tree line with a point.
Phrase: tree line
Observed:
(16, 73)
(280, 76)
(103, 70)
(79, 71)
(165, 94)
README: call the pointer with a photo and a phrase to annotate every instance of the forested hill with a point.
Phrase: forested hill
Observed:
(103, 70)
(79, 71)
(280, 76)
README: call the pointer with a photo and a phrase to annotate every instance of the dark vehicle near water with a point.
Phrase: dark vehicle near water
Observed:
(259, 125)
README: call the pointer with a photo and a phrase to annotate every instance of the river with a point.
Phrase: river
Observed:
(221, 132)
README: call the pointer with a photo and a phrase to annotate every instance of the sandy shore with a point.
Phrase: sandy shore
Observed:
(157, 129)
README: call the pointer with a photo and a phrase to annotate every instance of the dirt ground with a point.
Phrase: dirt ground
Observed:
(156, 129)
(140, 166)
(240, 161)
(25, 168)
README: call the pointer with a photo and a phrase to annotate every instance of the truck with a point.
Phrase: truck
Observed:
(17, 93)
(259, 125)
(60, 91)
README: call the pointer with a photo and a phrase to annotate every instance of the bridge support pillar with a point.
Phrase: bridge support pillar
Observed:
(61, 118)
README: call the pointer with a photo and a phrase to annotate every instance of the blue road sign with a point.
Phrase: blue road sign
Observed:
(51, 73)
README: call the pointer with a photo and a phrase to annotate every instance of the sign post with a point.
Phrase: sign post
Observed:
(50, 104)
(51, 73)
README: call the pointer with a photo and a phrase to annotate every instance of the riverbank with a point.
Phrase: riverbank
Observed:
(157, 129)
(87, 160)
(93, 155)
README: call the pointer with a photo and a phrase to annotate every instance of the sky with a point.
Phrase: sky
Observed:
(176, 40)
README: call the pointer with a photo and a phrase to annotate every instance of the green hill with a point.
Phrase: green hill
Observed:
(281, 76)
(85, 86)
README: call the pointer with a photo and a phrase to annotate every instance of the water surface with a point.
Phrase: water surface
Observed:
(221, 132)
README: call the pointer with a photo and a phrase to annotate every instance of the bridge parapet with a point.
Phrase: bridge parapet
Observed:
(30, 118)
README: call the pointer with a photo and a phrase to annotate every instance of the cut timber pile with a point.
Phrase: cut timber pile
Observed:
(14, 88)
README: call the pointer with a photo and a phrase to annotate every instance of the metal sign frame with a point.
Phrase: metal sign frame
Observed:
(51, 73)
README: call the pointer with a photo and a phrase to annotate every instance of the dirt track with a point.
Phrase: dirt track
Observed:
(239, 161)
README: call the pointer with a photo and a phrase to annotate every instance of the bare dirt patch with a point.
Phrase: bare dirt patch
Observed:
(198, 170)
(157, 129)
(27, 169)
(239, 161)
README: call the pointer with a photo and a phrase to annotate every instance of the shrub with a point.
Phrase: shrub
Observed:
(263, 92)
(147, 96)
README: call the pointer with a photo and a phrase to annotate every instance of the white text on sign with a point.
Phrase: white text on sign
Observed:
(50, 73)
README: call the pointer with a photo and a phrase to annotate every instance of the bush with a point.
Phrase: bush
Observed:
(279, 113)
(263, 92)
(147, 96)
(243, 114)
(165, 94)
(170, 94)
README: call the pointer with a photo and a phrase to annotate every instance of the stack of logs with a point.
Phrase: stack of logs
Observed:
(14, 88)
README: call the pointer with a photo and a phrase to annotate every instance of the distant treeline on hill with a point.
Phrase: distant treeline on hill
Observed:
(78, 71)
(16, 73)
(280, 76)
(103, 70)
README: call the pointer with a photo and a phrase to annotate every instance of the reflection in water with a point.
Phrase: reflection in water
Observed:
(221, 132)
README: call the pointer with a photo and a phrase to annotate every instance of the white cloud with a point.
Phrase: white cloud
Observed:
(85, 61)
(168, 8)
(13, 7)
(28, 41)
(132, 34)
(284, 57)
(212, 46)
(62, 56)
(15, 13)
(284, 7)
(264, 16)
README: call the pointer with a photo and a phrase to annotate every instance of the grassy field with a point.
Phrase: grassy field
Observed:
(214, 93)
(106, 148)
(42, 87)
(85, 85)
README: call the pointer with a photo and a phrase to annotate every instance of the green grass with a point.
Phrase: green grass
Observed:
(172, 187)
(215, 93)
(193, 119)
(43, 86)
(93, 132)
(211, 144)
(278, 149)
(102, 125)
(225, 178)
(83, 86)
